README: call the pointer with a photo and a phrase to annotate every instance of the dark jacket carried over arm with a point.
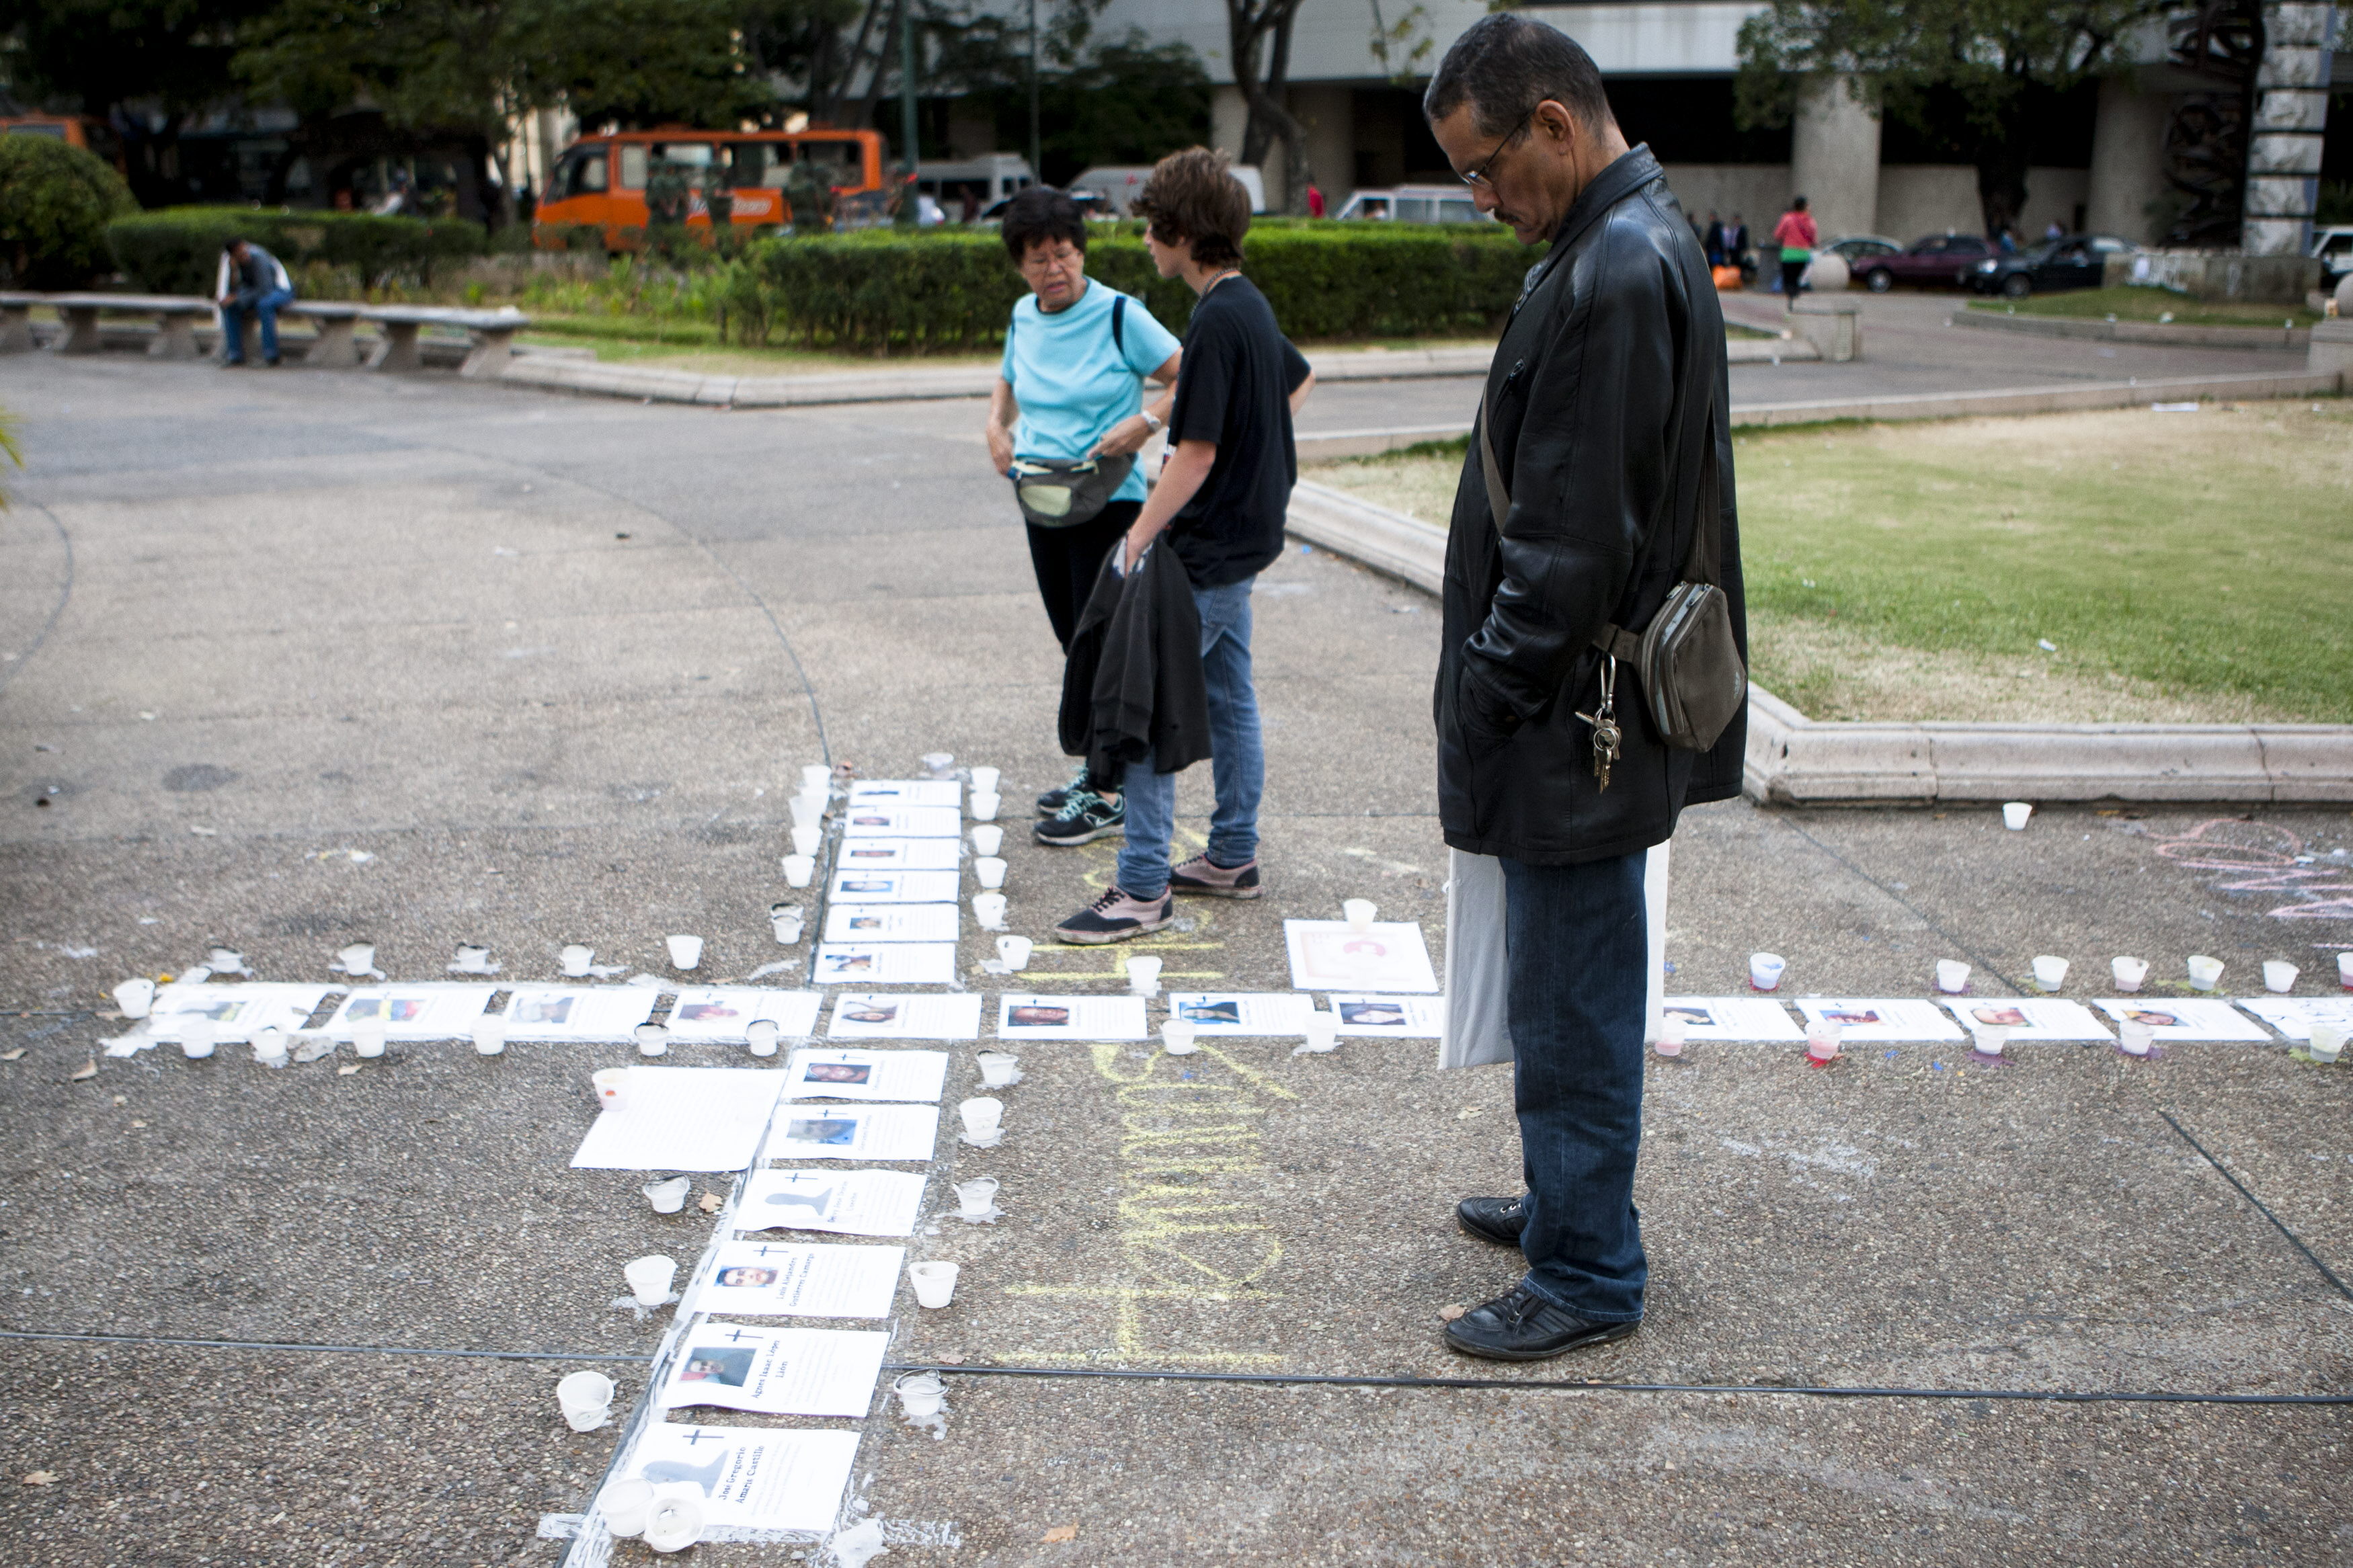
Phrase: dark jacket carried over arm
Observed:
(1133, 678)
(1599, 396)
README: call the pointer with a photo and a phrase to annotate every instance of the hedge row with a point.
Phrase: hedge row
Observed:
(881, 292)
(177, 250)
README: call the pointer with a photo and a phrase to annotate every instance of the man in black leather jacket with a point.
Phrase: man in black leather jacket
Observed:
(1607, 391)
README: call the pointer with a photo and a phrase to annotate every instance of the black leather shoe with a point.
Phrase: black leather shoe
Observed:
(1524, 1326)
(1498, 1220)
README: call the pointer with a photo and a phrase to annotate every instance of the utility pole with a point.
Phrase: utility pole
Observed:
(1037, 162)
(907, 94)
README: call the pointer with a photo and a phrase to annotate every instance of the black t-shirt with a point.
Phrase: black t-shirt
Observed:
(1234, 388)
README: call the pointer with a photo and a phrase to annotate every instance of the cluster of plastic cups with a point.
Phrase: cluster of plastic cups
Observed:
(668, 1517)
(984, 800)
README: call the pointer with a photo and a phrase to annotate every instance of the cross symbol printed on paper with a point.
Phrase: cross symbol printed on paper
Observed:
(700, 1436)
(738, 1336)
(766, 1249)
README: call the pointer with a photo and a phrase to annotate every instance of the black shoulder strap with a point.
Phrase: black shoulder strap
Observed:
(1119, 324)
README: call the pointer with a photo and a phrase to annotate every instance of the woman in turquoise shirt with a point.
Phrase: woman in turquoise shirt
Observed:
(1070, 388)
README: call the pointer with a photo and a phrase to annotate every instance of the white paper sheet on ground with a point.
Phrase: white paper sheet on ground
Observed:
(899, 854)
(2186, 1018)
(1869, 1020)
(237, 1011)
(1325, 955)
(1242, 1012)
(412, 1012)
(777, 1371)
(820, 1073)
(859, 1015)
(891, 922)
(580, 1013)
(1403, 1018)
(884, 963)
(802, 1279)
(854, 1132)
(1729, 1018)
(901, 822)
(1023, 1017)
(751, 1478)
(872, 887)
(2031, 1018)
(2294, 1015)
(683, 1119)
(725, 1012)
(948, 793)
(847, 1203)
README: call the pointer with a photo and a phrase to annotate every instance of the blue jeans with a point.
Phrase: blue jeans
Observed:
(1237, 759)
(1579, 951)
(263, 306)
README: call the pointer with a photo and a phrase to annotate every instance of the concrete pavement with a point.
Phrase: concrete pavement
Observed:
(301, 659)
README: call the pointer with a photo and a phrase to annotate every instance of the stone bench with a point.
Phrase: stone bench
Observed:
(1832, 323)
(176, 316)
(492, 334)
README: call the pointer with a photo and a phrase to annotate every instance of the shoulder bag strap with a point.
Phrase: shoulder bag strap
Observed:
(1119, 325)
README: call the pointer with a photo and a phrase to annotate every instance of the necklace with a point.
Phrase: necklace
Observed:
(1220, 278)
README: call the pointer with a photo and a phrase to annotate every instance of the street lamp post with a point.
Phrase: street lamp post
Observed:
(1037, 164)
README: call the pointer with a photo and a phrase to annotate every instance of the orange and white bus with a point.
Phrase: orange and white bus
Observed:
(601, 180)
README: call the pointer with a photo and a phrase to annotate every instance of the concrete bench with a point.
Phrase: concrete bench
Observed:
(1832, 323)
(335, 348)
(176, 316)
(17, 321)
(492, 334)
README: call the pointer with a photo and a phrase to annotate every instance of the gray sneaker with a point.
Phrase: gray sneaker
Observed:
(1115, 917)
(1084, 817)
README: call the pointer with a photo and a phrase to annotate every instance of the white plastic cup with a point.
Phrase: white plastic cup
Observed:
(674, 1518)
(937, 763)
(1765, 970)
(368, 1037)
(198, 1036)
(1358, 914)
(1176, 1037)
(2279, 975)
(808, 814)
(2205, 973)
(653, 1040)
(472, 959)
(670, 1196)
(2328, 1041)
(2344, 970)
(649, 1279)
(1952, 976)
(2128, 973)
(985, 804)
(921, 1395)
(685, 952)
(490, 1033)
(998, 1069)
(586, 1400)
(1822, 1042)
(817, 777)
(984, 1118)
(934, 1286)
(1671, 1039)
(976, 1199)
(1322, 1031)
(135, 998)
(576, 960)
(270, 1046)
(623, 1506)
(760, 1034)
(983, 780)
(2049, 972)
(2137, 1038)
(612, 1086)
(989, 908)
(989, 871)
(1990, 1039)
(2014, 815)
(1143, 976)
(1014, 952)
(987, 838)
(786, 927)
(358, 959)
(799, 869)
(807, 839)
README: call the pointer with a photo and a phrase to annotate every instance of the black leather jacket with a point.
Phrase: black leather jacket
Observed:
(1600, 394)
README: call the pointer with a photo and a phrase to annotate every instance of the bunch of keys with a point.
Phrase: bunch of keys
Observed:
(1604, 719)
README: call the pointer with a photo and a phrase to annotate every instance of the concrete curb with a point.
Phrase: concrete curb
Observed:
(1796, 761)
(2136, 331)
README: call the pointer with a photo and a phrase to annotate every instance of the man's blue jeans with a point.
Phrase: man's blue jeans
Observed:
(263, 306)
(1237, 760)
(1579, 951)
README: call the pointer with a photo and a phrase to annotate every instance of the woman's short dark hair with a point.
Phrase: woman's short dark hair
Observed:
(1040, 214)
(1191, 195)
(1504, 65)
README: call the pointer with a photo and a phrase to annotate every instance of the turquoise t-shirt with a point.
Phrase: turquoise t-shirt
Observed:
(1071, 384)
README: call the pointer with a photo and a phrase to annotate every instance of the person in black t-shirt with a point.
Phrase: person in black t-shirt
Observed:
(1220, 501)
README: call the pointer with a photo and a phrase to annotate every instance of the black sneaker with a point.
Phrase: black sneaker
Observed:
(1051, 804)
(1115, 917)
(1524, 1326)
(1084, 817)
(1498, 1220)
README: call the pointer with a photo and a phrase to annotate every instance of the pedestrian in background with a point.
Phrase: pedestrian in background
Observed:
(1736, 245)
(250, 282)
(1219, 507)
(1796, 234)
(1066, 419)
(1603, 454)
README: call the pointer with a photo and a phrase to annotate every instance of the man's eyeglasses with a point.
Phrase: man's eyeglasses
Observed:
(1478, 176)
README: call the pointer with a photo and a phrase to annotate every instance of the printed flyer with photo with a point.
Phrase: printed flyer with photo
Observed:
(1731, 1019)
(723, 1012)
(1879, 1020)
(835, 1073)
(854, 1132)
(883, 963)
(2294, 1015)
(412, 1012)
(846, 1203)
(2186, 1018)
(882, 821)
(777, 1371)
(898, 854)
(891, 922)
(1388, 955)
(584, 1014)
(859, 1015)
(948, 793)
(1406, 1017)
(802, 1279)
(1020, 1018)
(2030, 1019)
(241, 1011)
(1243, 1012)
(859, 885)
(752, 1477)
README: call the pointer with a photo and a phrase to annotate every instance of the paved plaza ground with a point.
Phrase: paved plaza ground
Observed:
(291, 661)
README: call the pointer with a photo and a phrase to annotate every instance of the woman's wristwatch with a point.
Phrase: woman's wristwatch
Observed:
(1151, 424)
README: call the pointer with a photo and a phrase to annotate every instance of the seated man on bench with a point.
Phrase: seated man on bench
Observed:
(251, 282)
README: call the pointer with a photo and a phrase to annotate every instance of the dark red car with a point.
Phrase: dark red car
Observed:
(1939, 261)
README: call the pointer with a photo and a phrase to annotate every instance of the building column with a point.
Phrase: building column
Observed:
(1834, 158)
(1329, 115)
(2291, 119)
(2129, 163)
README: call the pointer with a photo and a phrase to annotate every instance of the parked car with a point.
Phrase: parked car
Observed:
(1857, 250)
(1415, 204)
(2334, 249)
(1941, 260)
(2078, 261)
(1120, 183)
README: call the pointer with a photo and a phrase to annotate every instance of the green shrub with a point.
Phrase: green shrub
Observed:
(54, 204)
(177, 250)
(882, 292)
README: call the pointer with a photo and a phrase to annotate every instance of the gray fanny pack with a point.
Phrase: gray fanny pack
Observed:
(1055, 492)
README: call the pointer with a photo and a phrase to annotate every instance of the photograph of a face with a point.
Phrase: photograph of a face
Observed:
(1373, 1014)
(1692, 1017)
(1995, 1016)
(729, 1364)
(694, 1012)
(2153, 1017)
(1226, 1012)
(391, 1009)
(542, 1009)
(838, 1072)
(867, 885)
(746, 1279)
(827, 1132)
(873, 1013)
(1037, 1017)
(1852, 1017)
(846, 962)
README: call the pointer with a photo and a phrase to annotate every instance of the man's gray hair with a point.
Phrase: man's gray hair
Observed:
(1503, 65)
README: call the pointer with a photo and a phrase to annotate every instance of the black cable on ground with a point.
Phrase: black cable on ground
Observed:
(319, 1350)
(2311, 1257)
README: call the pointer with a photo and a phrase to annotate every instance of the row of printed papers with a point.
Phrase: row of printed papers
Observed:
(1386, 957)
(948, 793)
(875, 886)
(865, 1015)
(1880, 1019)
(1023, 1017)
(241, 1011)
(898, 854)
(839, 1073)
(884, 820)
(725, 1013)
(883, 963)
